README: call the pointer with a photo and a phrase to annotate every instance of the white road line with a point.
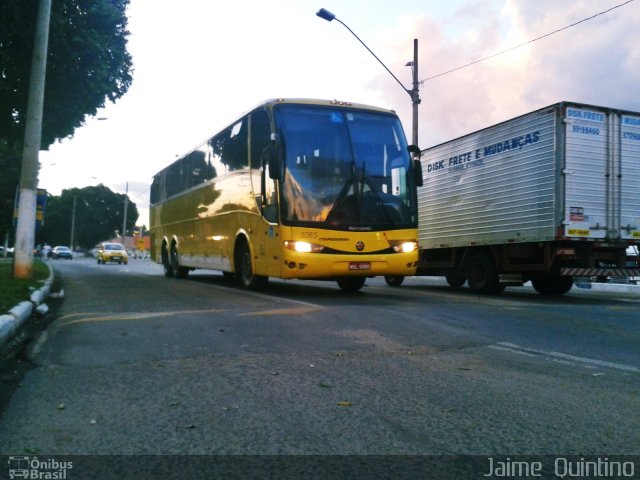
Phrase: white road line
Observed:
(276, 299)
(563, 357)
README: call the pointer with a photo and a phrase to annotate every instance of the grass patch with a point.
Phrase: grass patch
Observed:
(16, 290)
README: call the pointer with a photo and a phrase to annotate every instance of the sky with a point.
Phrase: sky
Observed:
(199, 65)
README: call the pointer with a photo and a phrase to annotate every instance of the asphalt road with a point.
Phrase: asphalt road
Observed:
(135, 363)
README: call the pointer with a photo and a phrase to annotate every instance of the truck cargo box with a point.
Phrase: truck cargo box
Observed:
(569, 171)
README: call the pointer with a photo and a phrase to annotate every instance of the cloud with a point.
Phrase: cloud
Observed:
(596, 62)
(198, 65)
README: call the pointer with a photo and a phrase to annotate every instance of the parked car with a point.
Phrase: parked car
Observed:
(62, 252)
(9, 252)
(112, 252)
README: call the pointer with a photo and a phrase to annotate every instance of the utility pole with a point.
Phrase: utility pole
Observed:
(124, 221)
(26, 228)
(415, 93)
(73, 223)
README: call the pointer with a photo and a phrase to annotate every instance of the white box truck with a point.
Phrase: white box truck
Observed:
(545, 197)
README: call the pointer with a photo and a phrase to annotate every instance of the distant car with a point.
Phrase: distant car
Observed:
(112, 252)
(633, 256)
(9, 252)
(62, 252)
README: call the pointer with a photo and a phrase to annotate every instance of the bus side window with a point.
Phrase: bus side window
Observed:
(260, 140)
(235, 154)
(173, 178)
(155, 188)
(195, 169)
(260, 136)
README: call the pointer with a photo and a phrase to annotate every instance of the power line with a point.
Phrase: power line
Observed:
(526, 43)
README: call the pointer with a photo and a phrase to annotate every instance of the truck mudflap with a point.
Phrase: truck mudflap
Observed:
(600, 272)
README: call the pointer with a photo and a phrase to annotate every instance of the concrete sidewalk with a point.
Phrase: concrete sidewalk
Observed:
(610, 287)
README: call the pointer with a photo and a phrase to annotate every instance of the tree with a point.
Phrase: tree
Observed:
(98, 215)
(87, 65)
(9, 178)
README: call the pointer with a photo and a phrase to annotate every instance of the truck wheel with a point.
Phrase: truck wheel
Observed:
(547, 284)
(394, 280)
(245, 269)
(482, 275)
(351, 284)
(456, 278)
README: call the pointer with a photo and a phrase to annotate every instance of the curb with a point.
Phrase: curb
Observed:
(11, 322)
(609, 287)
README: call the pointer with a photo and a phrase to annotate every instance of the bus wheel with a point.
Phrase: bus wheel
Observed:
(546, 284)
(245, 269)
(178, 271)
(482, 275)
(456, 278)
(394, 280)
(351, 284)
(166, 265)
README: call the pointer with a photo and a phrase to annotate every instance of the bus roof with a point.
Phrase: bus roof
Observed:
(329, 103)
(290, 101)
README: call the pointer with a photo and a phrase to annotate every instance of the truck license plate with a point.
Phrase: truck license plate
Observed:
(359, 265)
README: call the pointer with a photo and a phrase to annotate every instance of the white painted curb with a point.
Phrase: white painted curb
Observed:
(7, 326)
(12, 321)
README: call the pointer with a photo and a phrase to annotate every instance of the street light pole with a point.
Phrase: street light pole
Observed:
(73, 223)
(414, 92)
(124, 221)
(25, 230)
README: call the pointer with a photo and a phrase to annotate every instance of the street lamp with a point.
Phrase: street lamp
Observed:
(414, 92)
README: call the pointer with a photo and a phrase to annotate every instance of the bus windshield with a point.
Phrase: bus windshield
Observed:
(344, 169)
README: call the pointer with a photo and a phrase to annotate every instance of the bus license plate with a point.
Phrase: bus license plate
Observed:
(359, 265)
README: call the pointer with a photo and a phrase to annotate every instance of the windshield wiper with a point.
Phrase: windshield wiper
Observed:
(376, 195)
(358, 182)
(343, 192)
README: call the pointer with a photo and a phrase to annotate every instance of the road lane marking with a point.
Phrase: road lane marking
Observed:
(130, 316)
(106, 317)
(283, 311)
(274, 298)
(564, 358)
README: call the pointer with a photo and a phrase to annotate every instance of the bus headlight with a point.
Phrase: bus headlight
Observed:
(303, 247)
(404, 246)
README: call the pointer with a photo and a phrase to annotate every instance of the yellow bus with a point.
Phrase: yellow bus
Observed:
(294, 189)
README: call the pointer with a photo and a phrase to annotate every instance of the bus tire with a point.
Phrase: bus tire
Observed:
(547, 284)
(244, 267)
(351, 284)
(394, 280)
(178, 271)
(166, 265)
(482, 275)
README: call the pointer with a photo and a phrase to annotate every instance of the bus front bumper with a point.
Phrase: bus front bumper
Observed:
(327, 266)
